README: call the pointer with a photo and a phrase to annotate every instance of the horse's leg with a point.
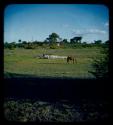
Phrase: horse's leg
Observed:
(75, 60)
(67, 60)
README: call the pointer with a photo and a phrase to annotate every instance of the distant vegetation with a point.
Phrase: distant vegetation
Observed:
(53, 42)
(62, 44)
(92, 58)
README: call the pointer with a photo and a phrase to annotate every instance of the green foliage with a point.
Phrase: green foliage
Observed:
(19, 40)
(51, 42)
(98, 42)
(100, 64)
(53, 38)
(30, 46)
(76, 40)
(10, 45)
(53, 46)
(72, 41)
(64, 41)
(39, 111)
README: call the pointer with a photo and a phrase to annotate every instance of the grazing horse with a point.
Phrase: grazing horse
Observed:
(72, 58)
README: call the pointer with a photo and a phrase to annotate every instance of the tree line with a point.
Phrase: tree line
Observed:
(54, 41)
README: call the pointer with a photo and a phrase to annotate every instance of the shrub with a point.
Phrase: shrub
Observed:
(29, 46)
(53, 46)
(100, 65)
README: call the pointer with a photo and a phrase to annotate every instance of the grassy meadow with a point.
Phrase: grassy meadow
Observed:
(25, 62)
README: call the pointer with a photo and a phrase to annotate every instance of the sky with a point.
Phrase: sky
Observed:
(30, 22)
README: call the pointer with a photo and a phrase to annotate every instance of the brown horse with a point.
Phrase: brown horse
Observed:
(71, 58)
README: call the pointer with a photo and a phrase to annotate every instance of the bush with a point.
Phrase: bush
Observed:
(100, 65)
(53, 46)
(29, 46)
(39, 111)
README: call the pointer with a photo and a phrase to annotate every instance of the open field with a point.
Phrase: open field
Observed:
(25, 62)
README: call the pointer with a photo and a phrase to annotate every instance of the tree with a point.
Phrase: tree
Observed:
(6, 45)
(107, 42)
(30, 45)
(24, 42)
(72, 41)
(19, 43)
(13, 44)
(100, 65)
(19, 40)
(53, 38)
(97, 42)
(65, 41)
(10, 45)
(84, 44)
(76, 39)
(45, 41)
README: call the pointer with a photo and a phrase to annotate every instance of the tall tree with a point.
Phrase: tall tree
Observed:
(76, 39)
(65, 41)
(53, 38)
(19, 40)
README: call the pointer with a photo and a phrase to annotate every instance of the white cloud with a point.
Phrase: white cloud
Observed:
(97, 31)
(106, 24)
(89, 31)
(77, 31)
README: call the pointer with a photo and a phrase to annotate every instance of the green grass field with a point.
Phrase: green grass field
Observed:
(24, 62)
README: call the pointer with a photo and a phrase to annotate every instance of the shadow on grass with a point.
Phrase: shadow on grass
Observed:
(55, 89)
(53, 63)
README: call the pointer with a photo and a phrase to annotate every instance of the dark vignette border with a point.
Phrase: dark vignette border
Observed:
(107, 84)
